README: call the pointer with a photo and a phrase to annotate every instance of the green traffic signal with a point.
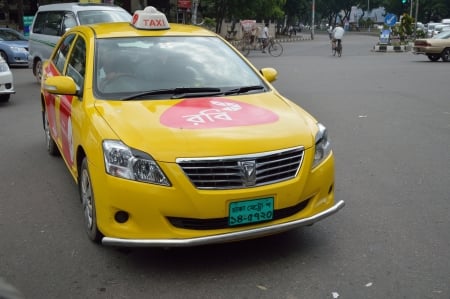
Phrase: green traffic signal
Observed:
(404, 1)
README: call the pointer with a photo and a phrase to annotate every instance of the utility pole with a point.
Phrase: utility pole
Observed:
(411, 7)
(312, 18)
(415, 19)
(194, 11)
(368, 14)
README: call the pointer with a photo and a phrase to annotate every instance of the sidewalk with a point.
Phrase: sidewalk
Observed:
(388, 48)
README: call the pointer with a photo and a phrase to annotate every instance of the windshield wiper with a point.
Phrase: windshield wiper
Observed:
(177, 93)
(243, 89)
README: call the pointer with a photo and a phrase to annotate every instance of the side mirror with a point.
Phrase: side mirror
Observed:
(60, 85)
(269, 73)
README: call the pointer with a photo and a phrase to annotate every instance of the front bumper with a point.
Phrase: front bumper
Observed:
(227, 237)
(19, 59)
(6, 83)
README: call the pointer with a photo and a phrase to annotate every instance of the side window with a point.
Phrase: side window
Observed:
(39, 22)
(69, 22)
(61, 54)
(53, 23)
(77, 62)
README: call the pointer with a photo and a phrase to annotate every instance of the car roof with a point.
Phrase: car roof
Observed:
(77, 6)
(125, 29)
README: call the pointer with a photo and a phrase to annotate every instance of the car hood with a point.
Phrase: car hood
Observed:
(17, 43)
(214, 126)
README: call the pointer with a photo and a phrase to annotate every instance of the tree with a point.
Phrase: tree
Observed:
(235, 10)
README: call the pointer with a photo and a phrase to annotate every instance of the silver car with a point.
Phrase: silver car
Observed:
(6, 81)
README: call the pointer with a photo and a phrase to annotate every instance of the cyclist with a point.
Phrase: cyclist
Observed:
(338, 35)
(264, 37)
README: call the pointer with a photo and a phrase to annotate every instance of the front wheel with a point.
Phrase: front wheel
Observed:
(88, 203)
(37, 70)
(4, 98)
(275, 49)
(52, 149)
(4, 56)
(433, 57)
(445, 55)
(245, 49)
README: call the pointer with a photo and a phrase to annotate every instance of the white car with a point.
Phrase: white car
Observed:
(439, 28)
(6, 81)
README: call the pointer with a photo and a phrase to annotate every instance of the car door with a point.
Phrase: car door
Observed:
(75, 68)
(68, 60)
(55, 67)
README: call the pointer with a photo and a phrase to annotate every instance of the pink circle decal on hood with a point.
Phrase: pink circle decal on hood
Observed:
(209, 113)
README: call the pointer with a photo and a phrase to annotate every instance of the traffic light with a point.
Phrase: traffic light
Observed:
(404, 1)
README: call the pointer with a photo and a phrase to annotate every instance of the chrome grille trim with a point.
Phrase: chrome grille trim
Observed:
(225, 172)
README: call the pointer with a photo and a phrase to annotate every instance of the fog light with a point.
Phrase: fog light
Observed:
(121, 217)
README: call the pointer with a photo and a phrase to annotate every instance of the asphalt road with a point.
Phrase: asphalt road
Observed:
(388, 115)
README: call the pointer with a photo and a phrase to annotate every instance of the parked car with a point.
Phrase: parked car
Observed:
(175, 139)
(6, 81)
(440, 27)
(435, 48)
(430, 29)
(53, 20)
(13, 47)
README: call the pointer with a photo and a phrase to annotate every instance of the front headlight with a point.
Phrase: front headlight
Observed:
(4, 67)
(124, 162)
(323, 146)
(19, 49)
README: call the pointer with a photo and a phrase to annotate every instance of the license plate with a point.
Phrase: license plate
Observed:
(250, 211)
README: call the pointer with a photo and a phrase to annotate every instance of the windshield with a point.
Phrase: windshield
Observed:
(442, 35)
(103, 16)
(10, 35)
(132, 65)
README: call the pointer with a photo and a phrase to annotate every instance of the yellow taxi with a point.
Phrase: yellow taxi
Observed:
(175, 139)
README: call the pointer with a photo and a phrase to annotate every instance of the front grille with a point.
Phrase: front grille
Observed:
(219, 223)
(243, 171)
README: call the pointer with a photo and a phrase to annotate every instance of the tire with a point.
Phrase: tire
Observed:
(4, 98)
(246, 49)
(433, 57)
(445, 55)
(4, 56)
(88, 203)
(275, 49)
(52, 149)
(37, 70)
(339, 51)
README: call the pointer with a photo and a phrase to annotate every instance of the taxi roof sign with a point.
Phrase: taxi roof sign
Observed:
(149, 18)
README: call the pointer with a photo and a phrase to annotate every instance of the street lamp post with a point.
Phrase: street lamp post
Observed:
(312, 18)
(415, 19)
(368, 14)
(194, 11)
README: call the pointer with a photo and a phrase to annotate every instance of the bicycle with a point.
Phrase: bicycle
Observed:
(336, 49)
(275, 48)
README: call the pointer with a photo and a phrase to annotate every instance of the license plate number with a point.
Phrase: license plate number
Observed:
(250, 211)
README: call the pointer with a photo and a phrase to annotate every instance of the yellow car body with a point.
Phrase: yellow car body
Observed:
(222, 166)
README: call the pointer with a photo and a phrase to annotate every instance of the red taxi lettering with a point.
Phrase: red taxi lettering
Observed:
(154, 23)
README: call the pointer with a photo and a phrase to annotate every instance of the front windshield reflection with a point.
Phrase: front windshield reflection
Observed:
(129, 65)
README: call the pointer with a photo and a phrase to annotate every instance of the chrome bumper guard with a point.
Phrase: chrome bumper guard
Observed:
(223, 238)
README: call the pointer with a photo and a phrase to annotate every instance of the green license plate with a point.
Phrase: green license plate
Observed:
(250, 211)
